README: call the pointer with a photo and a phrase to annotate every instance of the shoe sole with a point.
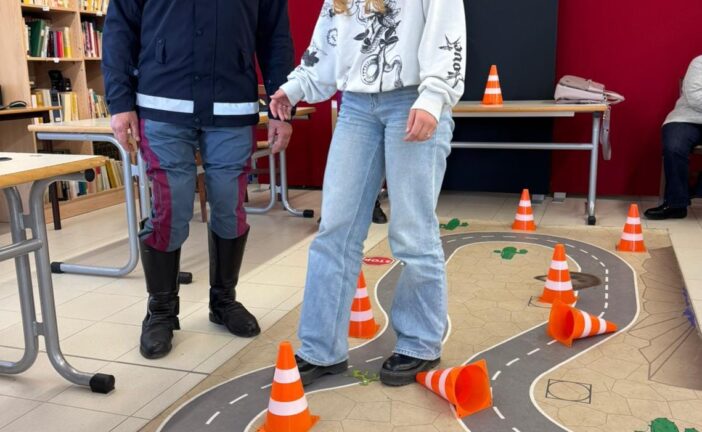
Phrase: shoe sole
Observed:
(154, 356)
(308, 378)
(399, 379)
(214, 320)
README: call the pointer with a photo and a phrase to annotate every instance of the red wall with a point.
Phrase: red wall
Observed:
(640, 49)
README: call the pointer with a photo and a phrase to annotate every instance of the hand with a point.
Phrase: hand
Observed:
(279, 133)
(280, 106)
(124, 125)
(420, 126)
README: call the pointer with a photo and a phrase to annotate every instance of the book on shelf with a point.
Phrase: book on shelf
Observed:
(95, 5)
(46, 41)
(97, 105)
(68, 101)
(92, 39)
(49, 3)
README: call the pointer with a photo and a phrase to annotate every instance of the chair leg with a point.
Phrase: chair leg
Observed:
(202, 192)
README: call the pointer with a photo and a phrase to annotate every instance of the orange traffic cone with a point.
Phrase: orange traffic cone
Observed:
(632, 238)
(567, 323)
(558, 284)
(466, 387)
(524, 219)
(493, 92)
(287, 408)
(362, 324)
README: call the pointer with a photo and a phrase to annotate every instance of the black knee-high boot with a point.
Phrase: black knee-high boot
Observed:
(161, 272)
(225, 263)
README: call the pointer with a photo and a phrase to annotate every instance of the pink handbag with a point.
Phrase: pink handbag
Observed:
(575, 90)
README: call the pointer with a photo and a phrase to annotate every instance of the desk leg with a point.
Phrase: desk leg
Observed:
(273, 189)
(26, 294)
(594, 159)
(99, 383)
(53, 194)
(284, 190)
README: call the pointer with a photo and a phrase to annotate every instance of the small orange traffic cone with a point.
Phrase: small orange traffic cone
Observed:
(558, 284)
(493, 92)
(467, 388)
(567, 323)
(362, 324)
(524, 219)
(632, 238)
(287, 408)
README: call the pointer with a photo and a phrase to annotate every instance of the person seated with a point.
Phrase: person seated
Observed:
(682, 131)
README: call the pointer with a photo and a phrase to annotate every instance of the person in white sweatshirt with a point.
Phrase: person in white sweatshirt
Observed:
(401, 66)
(682, 131)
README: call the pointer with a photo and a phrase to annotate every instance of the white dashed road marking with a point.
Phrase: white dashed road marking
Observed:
(494, 377)
(512, 362)
(374, 359)
(214, 416)
(266, 386)
(552, 342)
(238, 399)
(499, 414)
(533, 351)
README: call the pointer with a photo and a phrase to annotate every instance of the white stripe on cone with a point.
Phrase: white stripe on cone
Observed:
(428, 377)
(493, 91)
(524, 218)
(285, 409)
(442, 383)
(361, 293)
(632, 237)
(633, 220)
(361, 316)
(559, 286)
(559, 265)
(587, 328)
(493, 78)
(603, 326)
(286, 376)
(524, 203)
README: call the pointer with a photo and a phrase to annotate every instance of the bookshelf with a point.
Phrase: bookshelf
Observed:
(73, 49)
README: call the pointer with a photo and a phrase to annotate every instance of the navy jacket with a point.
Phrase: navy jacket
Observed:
(192, 62)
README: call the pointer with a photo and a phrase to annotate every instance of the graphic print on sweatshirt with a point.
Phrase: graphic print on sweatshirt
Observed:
(455, 75)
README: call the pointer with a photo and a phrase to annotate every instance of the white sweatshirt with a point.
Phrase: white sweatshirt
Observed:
(416, 43)
(689, 106)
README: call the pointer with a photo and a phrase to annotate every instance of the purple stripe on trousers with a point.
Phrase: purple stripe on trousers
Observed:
(243, 180)
(162, 212)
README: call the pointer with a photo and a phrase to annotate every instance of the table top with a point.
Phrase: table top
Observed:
(526, 107)
(29, 167)
(102, 125)
(26, 111)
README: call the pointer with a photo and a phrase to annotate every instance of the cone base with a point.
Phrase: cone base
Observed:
(628, 246)
(520, 226)
(366, 332)
(550, 298)
(289, 428)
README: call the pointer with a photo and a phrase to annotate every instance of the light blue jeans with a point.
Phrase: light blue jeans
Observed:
(368, 145)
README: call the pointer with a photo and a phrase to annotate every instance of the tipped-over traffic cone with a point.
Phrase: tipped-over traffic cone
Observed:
(287, 408)
(466, 387)
(558, 284)
(362, 324)
(493, 92)
(567, 323)
(632, 238)
(524, 219)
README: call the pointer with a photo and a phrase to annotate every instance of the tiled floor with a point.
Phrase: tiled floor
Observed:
(99, 318)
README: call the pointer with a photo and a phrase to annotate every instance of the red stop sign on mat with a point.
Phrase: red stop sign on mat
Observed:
(378, 261)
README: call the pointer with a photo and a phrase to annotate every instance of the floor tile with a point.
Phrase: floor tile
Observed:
(14, 408)
(62, 295)
(49, 417)
(268, 296)
(171, 394)
(131, 424)
(67, 327)
(689, 260)
(694, 288)
(279, 275)
(134, 314)
(189, 350)
(9, 318)
(225, 353)
(103, 340)
(94, 306)
(41, 382)
(293, 301)
(135, 386)
(199, 321)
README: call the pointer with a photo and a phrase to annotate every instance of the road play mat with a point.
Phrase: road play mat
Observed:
(647, 376)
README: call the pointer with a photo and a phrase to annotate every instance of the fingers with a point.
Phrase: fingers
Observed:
(122, 136)
(134, 128)
(282, 132)
(280, 105)
(422, 127)
(410, 121)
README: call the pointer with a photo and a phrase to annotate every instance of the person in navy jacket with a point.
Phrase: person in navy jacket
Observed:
(180, 76)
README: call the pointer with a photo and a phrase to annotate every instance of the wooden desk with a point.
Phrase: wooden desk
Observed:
(525, 109)
(40, 170)
(98, 130)
(43, 113)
